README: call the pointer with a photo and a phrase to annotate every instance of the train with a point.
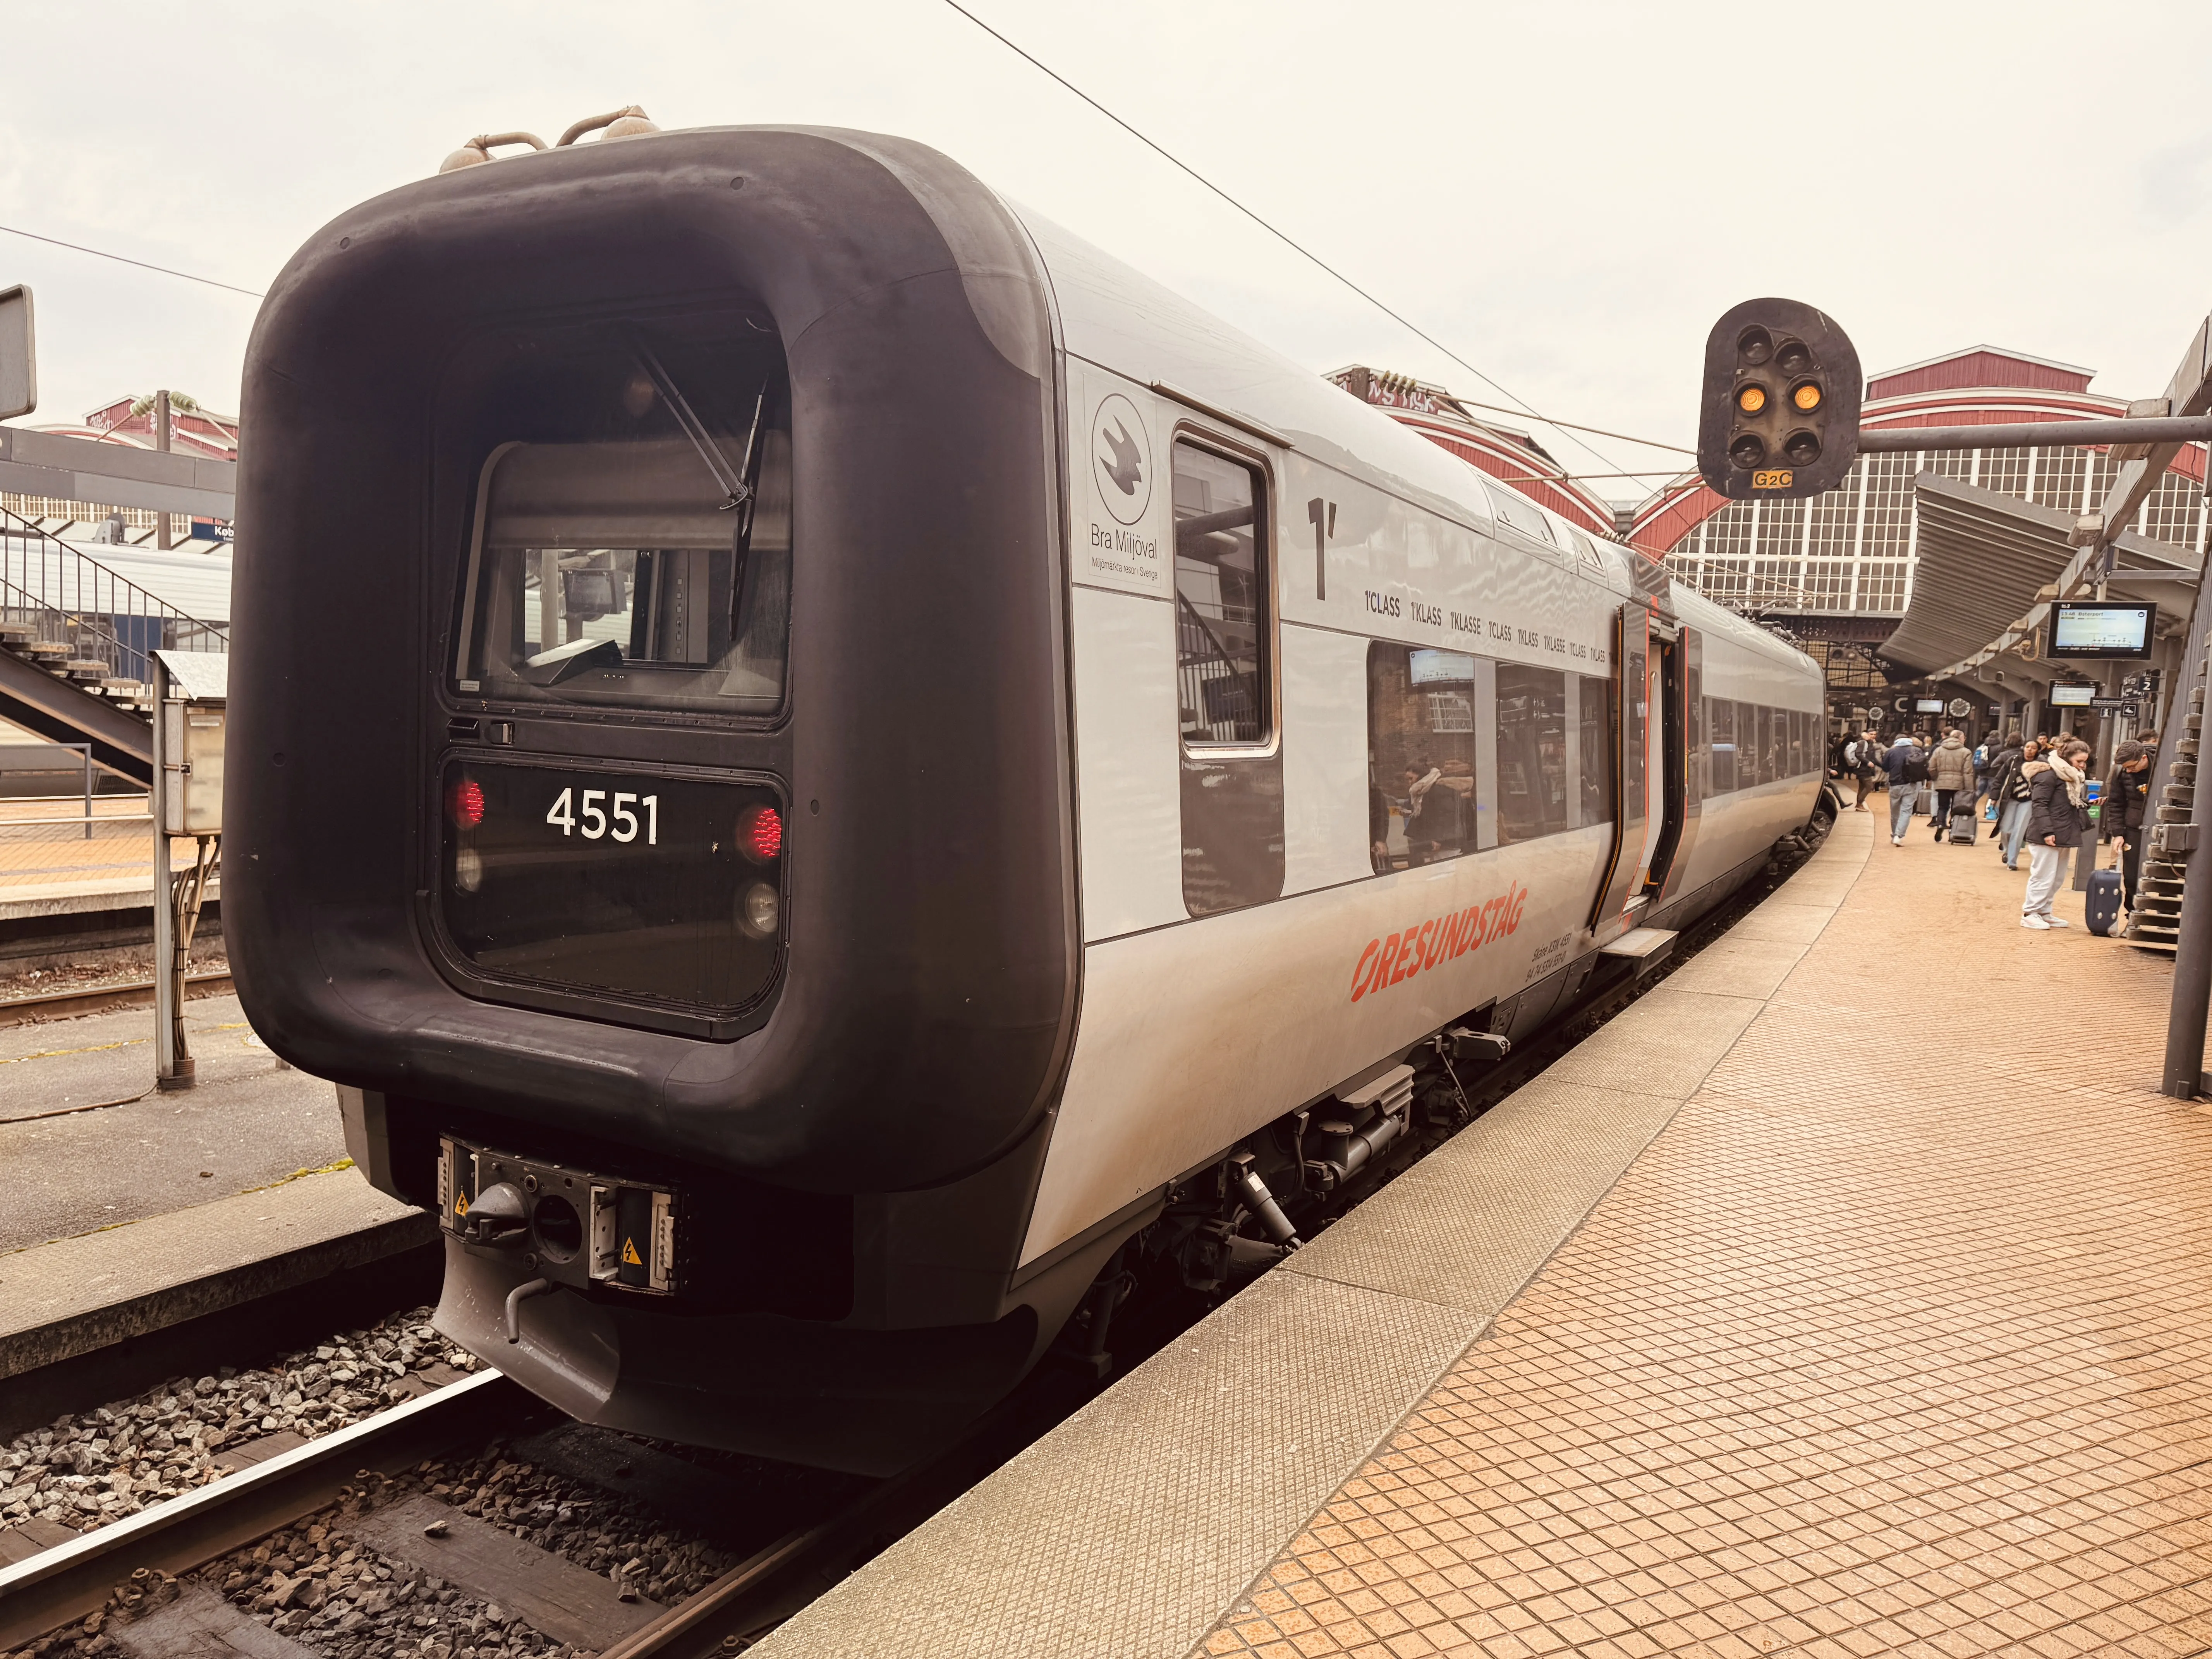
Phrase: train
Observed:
(831, 771)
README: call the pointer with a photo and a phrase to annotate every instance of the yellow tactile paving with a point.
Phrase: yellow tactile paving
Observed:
(1896, 1340)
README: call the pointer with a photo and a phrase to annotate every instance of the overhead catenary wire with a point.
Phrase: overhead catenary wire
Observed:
(125, 258)
(1304, 252)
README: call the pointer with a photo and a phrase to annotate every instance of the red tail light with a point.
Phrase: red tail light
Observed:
(467, 803)
(760, 834)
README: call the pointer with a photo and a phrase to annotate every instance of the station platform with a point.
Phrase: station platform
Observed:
(1845, 1295)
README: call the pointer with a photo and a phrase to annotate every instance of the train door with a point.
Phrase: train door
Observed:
(1668, 771)
(1650, 739)
(1683, 676)
(1632, 656)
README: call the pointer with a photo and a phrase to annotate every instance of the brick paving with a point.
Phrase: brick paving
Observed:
(1896, 1340)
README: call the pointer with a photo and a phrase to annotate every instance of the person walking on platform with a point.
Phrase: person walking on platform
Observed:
(2013, 803)
(2058, 815)
(2121, 811)
(1951, 776)
(1906, 764)
(1863, 760)
(2007, 795)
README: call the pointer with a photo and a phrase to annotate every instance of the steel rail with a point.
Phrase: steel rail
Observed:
(61, 1585)
(139, 993)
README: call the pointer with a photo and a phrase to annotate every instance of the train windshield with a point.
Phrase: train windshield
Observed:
(642, 557)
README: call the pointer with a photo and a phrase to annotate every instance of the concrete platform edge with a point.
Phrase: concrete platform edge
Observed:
(355, 1232)
(1131, 1528)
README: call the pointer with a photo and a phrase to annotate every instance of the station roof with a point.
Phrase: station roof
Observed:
(1983, 558)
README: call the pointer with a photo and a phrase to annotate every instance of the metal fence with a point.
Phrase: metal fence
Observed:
(64, 596)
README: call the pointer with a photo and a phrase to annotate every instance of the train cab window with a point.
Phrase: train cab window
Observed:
(1532, 752)
(1222, 625)
(1720, 731)
(1421, 715)
(641, 558)
(1594, 721)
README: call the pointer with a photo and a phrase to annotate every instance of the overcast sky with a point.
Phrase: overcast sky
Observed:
(1567, 195)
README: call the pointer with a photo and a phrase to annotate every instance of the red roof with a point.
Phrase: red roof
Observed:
(1979, 366)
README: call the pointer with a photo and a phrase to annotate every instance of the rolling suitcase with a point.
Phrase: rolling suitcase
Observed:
(1963, 823)
(2101, 905)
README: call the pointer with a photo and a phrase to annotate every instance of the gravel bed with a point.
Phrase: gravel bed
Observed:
(313, 1582)
(89, 1468)
(134, 969)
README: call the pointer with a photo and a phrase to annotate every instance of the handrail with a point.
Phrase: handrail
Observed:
(66, 597)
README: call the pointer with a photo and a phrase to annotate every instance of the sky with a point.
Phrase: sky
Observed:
(1566, 195)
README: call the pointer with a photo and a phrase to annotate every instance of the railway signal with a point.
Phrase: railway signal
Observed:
(1780, 414)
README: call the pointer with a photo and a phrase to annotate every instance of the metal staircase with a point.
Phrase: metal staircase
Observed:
(74, 643)
(2156, 924)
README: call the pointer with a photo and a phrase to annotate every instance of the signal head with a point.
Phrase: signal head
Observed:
(1756, 439)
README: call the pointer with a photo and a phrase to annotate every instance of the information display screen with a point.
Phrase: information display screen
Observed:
(2101, 631)
(2072, 696)
(1928, 706)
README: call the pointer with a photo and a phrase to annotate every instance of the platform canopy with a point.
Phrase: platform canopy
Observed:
(1984, 556)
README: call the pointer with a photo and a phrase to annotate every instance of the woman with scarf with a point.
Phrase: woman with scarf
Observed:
(2058, 817)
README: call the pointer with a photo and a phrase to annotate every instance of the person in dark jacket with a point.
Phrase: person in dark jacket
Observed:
(2012, 810)
(1906, 762)
(2058, 819)
(2121, 811)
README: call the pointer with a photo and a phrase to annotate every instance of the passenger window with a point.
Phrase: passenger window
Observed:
(1749, 747)
(1524, 516)
(1720, 723)
(1420, 756)
(1222, 623)
(635, 549)
(1532, 752)
(1594, 711)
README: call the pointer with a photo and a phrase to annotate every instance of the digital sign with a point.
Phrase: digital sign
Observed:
(2072, 696)
(2101, 631)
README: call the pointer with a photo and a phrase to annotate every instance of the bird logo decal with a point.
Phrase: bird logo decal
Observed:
(1121, 460)
(1125, 470)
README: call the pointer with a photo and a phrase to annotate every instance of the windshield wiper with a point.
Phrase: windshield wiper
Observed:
(731, 483)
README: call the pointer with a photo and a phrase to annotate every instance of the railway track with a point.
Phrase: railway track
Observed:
(66, 1005)
(348, 1469)
(346, 1476)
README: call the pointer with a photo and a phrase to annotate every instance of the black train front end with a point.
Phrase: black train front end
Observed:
(649, 795)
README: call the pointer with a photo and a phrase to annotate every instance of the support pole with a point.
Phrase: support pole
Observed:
(2192, 955)
(172, 1060)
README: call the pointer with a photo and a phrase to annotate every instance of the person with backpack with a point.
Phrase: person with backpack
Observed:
(1906, 764)
(2121, 811)
(1863, 760)
(1951, 776)
(2014, 804)
(2058, 819)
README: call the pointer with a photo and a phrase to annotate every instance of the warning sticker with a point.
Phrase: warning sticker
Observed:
(630, 1255)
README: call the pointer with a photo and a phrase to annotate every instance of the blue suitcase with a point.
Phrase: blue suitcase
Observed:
(2101, 905)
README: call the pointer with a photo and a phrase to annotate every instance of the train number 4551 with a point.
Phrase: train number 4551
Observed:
(617, 821)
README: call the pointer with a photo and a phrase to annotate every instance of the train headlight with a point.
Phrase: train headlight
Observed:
(468, 869)
(759, 911)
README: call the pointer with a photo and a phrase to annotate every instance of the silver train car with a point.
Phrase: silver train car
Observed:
(890, 772)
